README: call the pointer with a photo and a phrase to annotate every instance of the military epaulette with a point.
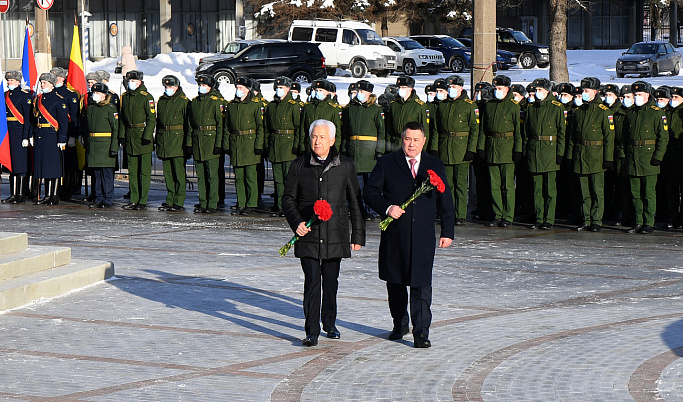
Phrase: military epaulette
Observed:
(419, 101)
(144, 93)
(654, 107)
(470, 101)
(60, 96)
(213, 97)
(255, 100)
(184, 97)
(514, 101)
(24, 91)
(603, 107)
(557, 103)
(292, 101)
(70, 90)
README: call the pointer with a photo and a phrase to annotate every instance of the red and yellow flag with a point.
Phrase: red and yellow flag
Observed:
(75, 80)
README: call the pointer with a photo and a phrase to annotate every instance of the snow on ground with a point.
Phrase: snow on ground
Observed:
(581, 63)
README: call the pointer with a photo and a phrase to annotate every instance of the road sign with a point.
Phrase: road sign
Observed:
(4, 6)
(45, 4)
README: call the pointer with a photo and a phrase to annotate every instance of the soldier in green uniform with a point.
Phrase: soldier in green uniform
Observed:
(104, 78)
(646, 135)
(261, 165)
(591, 149)
(405, 107)
(282, 125)
(614, 187)
(662, 98)
(321, 106)
(524, 187)
(246, 141)
(136, 130)
(483, 92)
(544, 131)
(673, 160)
(205, 128)
(295, 91)
(170, 141)
(101, 144)
(363, 136)
(627, 100)
(455, 139)
(500, 144)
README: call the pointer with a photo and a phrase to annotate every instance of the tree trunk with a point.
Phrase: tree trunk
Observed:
(385, 25)
(558, 41)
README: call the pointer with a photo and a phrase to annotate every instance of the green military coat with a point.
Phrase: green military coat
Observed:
(619, 113)
(363, 134)
(457, 129)
(591, 137)
(646, 136)
(282, 128)
(171, 124)
(402, 112)
(244, 126)
(673, 160)
(500, 133)
(544, 134)
(316, 109)
(101, 128)
(137, 121)
(205, 126)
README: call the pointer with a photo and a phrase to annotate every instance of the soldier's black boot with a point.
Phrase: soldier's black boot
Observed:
(54, 198)
(19, 191)
(12, 190)
(48, 192)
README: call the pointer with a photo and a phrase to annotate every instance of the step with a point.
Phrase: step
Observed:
(53, 282)
(12, 242)
(33, 259)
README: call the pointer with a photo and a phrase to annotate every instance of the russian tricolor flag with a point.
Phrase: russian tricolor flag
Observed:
(5, 157)
(28, 64)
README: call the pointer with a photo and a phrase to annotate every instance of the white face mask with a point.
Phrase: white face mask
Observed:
(97, 97)
(280, 93)
(169, 91)
(477, 97)
(498, 94)
(627, 102)
(540, 96)
(11, 87)
(132, 85)
(361, 97)
(453, 93)
(609, 99)
(661, 104)
(402, 92)
(441, 96)
(430, 98)
(518, 98)
(674, 104)
(46, 90)
(578, 101)
(639, 100)
(565, 99)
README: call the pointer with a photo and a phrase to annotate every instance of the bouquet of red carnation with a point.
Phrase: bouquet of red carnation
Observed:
(323, 213)
(433, 182)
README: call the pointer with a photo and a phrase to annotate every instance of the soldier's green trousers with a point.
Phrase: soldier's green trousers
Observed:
(207, 183)
(246, 184)
(503, 190)
(593, 197)
(174, 176)
(545, 196)
(644, 198)
(280, 170)
(139, 177)
(456, 175)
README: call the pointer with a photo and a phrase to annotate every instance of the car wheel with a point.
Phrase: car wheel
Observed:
(527, 60)
(677, 69)
(358, 69)
(224, 77)
(409, 67)
(655, 71)
(302, 77)
(457, 65)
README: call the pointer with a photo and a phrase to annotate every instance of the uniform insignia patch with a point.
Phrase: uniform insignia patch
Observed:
(63, 106)
(666, 126)
(382, 113)
(565, 114)
(469, 101)
(340, 114)
(611, 122)
(28, 101)
(116, 115)
(603, 107)
(419, 101)
(476, 113)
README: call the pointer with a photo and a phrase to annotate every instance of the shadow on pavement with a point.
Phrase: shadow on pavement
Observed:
(673, 337)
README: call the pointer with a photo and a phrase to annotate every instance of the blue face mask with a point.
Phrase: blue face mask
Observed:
(541, 96)
(578, 101)
(477, 97)
(280, 93)
(609, 99)
(627, 102)
(169, 91)
(639, 100)
(239, 94)
(11, 87)
(46, 90)
(498, 94)
(565, 99)
(361, 97)
(202, 89)
(440, 96)
(585, 97)
(453, 93)
(531, 99)
(132, 86)
(320, 95)
(661, 104)
(430, 98)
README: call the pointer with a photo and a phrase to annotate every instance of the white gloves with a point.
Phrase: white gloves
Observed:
(30, 140)
(24, 143)
(72, 142)
(61, 145)
(80, 140)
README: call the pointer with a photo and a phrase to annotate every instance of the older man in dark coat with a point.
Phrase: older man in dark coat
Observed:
(406, 250)
(323, 174)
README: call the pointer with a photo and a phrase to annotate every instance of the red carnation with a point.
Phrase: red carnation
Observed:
(436, 181)
(323, 210)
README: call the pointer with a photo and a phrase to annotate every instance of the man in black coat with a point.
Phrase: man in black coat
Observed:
(323, 174)
(406, 250)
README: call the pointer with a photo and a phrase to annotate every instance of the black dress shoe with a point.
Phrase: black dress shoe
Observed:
(164, 207)
(595, 228)
(647, 229)
(422, 341)
(536, 225)
(105, 205)
(10, 199)
(460, 222)
(96, 205)
(129, 207)
(176, 208)
(199, 210)
(234, 207)
(310, 340)
(141, 207)
(582, 228)
(398, 333)
(54, 200)
(275, 213)
(210, 210)
(635, 229)
(505, 223)
(238, 211)
(546, 226)
(247, 211)
(333, 334)
(494, 223)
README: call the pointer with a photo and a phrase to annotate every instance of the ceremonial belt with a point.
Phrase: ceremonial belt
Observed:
(283, 131)
(245, 132)
(645, 142)
(545, 138)
(458, 133)
(137, 125)
(44, 125)
(100, 134)
(176, 127)
(363, 138)
(206, 128)
(588, 143)
(13, 109)
(51, 120)
(502, 135)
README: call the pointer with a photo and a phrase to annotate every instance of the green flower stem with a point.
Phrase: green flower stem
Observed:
(425, 187)
(285, 249)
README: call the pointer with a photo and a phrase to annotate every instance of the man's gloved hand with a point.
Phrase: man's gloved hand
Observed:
(72, 142)
(216, 150)
(469, 156)
(30, 140)
(481, 154)
(377, 155)
(258, 151)
(145, 141)
(24, 143)
(113, 154)
(558, 159)
(655, 162)
(609, 165)
(61, 145)
(516, 156)
(80, 140)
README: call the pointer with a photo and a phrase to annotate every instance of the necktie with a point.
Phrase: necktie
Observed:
(412, 166)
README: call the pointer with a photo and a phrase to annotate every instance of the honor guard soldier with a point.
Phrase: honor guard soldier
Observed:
(545, 128)
(136, 130)
(244, 123)
(101, 144)
(321, 106)
(500, 144)
(673, 161)
(104, 78)
(406, 107)
(363, 137)
(71, 170)
(18, 105)
(204, 140)
(52, 120)
(455, 139)
(295, 90)
(283, 125)
(170, 141)
(591, 149)
(91, 79)
(353, 91)
(646, 135)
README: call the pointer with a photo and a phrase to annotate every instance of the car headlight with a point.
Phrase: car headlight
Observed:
(645, 61)
(378, 55)
(205, 66)
(619, 62)
(543, 50)
(468, 53)
(422, 56)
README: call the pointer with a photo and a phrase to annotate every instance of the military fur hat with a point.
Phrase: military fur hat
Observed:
(323, 84)
(352, 87)
(641, 86)
(92, 76)
(59, 72)
(330, 86)
(100, 87)
(170, 81)
(543, 83)
(625, 89)
(480, 86)
(405, 81)
(205, 79)
(247, 82)
(590, 83)
(519, 89)
(577, 91)
(134, 75)
(13, 75)
(391, 89)
(530, 88)
(502, 81)
(256, 85)
(455, 80)
(440, 83)
(104, 76)
(677, 91)
(364, 85)
(610, 88)
(663, 92)
(296, 87)
(282, 81)
(49, 77)
(566, 88)
(429, 88)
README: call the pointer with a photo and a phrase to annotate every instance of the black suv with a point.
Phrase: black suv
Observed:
(528, 53)
(301, 61)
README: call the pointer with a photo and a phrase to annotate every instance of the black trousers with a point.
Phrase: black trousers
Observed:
(420, 307)
(314, 271)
